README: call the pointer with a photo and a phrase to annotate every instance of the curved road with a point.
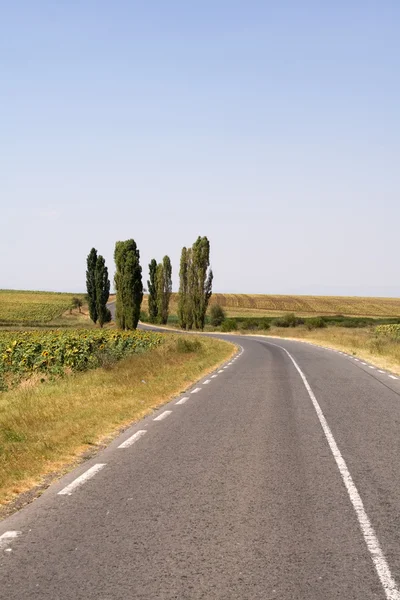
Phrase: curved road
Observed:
(278, 478)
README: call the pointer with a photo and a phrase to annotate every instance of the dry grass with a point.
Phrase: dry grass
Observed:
(46, 427)
(363, 343)
(18, 307)
(260, 305)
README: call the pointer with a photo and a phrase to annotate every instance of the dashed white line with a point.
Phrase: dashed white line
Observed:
(196, 391)
(214, 376)
(7, 537)
(356, 359)
(371, 367)
(163, 415)
(382, 568)
(379, 371)
(207, 381)
(182, 400)
(364, 364)
(220, 371)
(393, 377)
(131, 440)
(226, 367)
(67, 491)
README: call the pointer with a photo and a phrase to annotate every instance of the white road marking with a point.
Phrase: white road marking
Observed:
(196, 391)
(225, 367)
(182, 400)
(356, 359)
(220, 371)
(379, 371)
(163, 415)
(214, 376)
(393, 377)
(131, 440)
(207, 381)
(67, 491)
(371, 367)
(7, 537)
(364, 364)
(381, 566)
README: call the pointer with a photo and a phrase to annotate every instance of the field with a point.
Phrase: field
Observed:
(258, 305)
(22, 308)
(53, 353)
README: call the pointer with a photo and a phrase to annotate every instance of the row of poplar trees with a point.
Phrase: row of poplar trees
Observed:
(194, 289)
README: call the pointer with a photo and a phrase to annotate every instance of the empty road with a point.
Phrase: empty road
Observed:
(277, 477)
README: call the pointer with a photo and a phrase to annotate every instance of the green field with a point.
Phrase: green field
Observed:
(33, 308)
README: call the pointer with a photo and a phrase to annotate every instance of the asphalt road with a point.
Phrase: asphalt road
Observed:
(275, 480)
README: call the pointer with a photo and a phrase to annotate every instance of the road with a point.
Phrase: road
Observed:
(278, 478)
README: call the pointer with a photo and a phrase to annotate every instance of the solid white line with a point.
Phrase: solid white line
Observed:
(196, 391)
(67, 491)
(7, 537)
(163, 415)
(131, 440)
(206, 381)
(214, 376)
(393, 377)
(182, 400)
(382, 568)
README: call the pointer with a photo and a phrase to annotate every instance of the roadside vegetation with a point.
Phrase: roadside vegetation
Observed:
(43, 428)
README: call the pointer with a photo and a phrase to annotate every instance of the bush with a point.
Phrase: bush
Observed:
(217, 315)
(288, 320)
(315, 323)
(229, 325)
(254, 324)
(185, 346)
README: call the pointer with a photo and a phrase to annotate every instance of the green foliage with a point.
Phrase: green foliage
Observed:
(217, 315)
(185, 346)
(164, 289)
(229, 325)
(315, 323)
(128, 284)
(195, 287)
(183, 289)
(288, 320)
(152, 289)
(54, 352)
(76, 303)
(388, 331)
(91, 284)
(102, 291)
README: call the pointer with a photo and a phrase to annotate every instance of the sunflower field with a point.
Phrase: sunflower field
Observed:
(388, 331)
(56, 352)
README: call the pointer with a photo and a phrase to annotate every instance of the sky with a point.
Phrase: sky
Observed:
(273, 128)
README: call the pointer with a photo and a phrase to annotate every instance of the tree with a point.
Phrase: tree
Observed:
(102, 291)
(217, 315)
(183, 288)
(128, 284)
(202, 280)
(164, 289)
(91, 284)
(152, 287)
(76, 303)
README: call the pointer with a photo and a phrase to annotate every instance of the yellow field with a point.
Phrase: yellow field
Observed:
(20, 307)
(253, 305)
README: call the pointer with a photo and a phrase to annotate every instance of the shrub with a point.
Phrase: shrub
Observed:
(217, 315)
(315, 323)
(288, 320)
(185, 346)
(229, 325)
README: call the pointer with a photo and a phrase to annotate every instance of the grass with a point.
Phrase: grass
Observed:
(363, 343)
(260, 305)
(45, 427)
(26, 308)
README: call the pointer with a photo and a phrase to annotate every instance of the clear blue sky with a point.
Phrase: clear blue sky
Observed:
(271, 127)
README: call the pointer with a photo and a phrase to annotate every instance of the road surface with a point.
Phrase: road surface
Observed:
(278, 478)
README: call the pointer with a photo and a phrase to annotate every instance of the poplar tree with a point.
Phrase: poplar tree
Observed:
(152, 288)
(202, 280)
(183, 289)
(91, 284)
(128, 284)
(102, 291)
(164, 289)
